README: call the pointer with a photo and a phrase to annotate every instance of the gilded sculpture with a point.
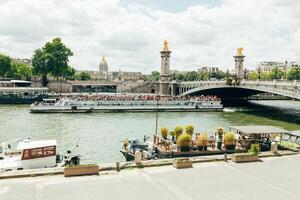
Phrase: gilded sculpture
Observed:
(166, 46)
(240, 51)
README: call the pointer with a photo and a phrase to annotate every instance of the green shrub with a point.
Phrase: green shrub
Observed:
(229, 138)
(178, 131)
(189, 129)
(164, 132)
(184, 140)
(172, 133)
(254, 149)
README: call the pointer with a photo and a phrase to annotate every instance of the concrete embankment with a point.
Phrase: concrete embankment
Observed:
(128, 165)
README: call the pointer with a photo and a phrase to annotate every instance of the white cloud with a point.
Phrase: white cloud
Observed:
(131, 36)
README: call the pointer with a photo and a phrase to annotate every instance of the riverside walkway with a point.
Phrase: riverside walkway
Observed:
(273, 178)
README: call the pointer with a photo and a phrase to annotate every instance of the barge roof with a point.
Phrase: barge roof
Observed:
(259, 129)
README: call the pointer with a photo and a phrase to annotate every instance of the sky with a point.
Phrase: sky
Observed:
(130, 33)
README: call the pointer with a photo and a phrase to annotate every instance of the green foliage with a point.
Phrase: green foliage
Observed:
(229, 138)
(275, 74)
(172, 133)
(254, 149)
(154, 76)
(294, 73)
(58, 57)
(40, 64)
(178, 130)
(83, 76)
(22, 71)
(164, 132)
(184, 140)
(253, 76)
(5, 65)
(52, 59)
(189, 129)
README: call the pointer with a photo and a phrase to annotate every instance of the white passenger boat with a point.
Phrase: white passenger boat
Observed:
(81, 106)
(32, 155)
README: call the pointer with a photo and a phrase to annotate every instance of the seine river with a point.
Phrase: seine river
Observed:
(100, 134)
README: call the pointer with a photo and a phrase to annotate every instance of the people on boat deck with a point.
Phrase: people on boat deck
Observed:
(124, 97)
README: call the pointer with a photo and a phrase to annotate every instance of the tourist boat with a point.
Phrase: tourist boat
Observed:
(56, 106)
(20, 92)
(31, 154)
(69, 105)
(131, 146)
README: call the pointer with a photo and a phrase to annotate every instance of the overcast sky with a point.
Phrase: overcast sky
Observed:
(130, 32)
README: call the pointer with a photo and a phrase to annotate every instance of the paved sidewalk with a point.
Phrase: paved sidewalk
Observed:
(275, 178)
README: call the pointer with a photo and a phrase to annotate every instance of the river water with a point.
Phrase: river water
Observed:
(99, 135)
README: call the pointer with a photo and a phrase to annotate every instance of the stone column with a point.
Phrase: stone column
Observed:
(239, 64)
(165, 87)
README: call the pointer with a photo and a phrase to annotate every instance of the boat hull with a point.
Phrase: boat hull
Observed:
(20, 100)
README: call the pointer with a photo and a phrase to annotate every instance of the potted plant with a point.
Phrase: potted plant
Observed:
(164, 132)
(172, 134)
(251, 156)
(202, 142)
(189, 129)
(178, 131)
(220, 132)
(184, 142)
(229, 141)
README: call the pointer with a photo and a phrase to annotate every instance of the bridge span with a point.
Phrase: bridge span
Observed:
(246, 88)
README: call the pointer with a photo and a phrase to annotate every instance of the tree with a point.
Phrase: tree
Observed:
(22, 71)
(154, 76)
(40, 65)
(253, 76)
(69, 74)
(5, 65)
(275, 74)
(83, 76)
(58, 57)
(294, 73)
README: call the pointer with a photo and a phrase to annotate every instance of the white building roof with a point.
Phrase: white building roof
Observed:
(258, 129)
(28, 144)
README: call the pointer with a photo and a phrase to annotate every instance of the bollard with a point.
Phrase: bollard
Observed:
(118, 166)
(138, 157)
(274, 147)
(225, 157)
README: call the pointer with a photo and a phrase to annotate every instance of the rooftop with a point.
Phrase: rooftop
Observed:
(28, 144)
(258, 129)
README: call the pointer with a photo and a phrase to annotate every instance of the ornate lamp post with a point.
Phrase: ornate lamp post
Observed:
(285, 69)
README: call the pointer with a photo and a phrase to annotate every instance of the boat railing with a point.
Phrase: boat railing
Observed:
(162, 143)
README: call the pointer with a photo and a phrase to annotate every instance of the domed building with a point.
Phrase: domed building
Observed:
(103, 69)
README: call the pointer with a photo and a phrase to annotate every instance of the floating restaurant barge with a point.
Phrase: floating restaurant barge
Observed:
(238, 140)
(87, 106)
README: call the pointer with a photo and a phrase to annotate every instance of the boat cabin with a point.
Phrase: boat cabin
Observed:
(37, 154)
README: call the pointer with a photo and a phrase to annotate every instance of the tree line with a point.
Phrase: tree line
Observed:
(50, 60)
(190, 76)
(291, 74)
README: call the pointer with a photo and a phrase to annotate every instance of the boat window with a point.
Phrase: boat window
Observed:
(36, 153)
(25, 154)
(49, 151)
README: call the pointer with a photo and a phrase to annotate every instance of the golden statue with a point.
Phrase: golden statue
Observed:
(240, 51)
(166, 46)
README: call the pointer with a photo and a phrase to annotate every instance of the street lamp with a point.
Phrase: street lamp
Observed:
(258, 71)
(285, 68)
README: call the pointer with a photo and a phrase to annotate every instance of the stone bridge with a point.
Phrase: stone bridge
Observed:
(246, 88)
